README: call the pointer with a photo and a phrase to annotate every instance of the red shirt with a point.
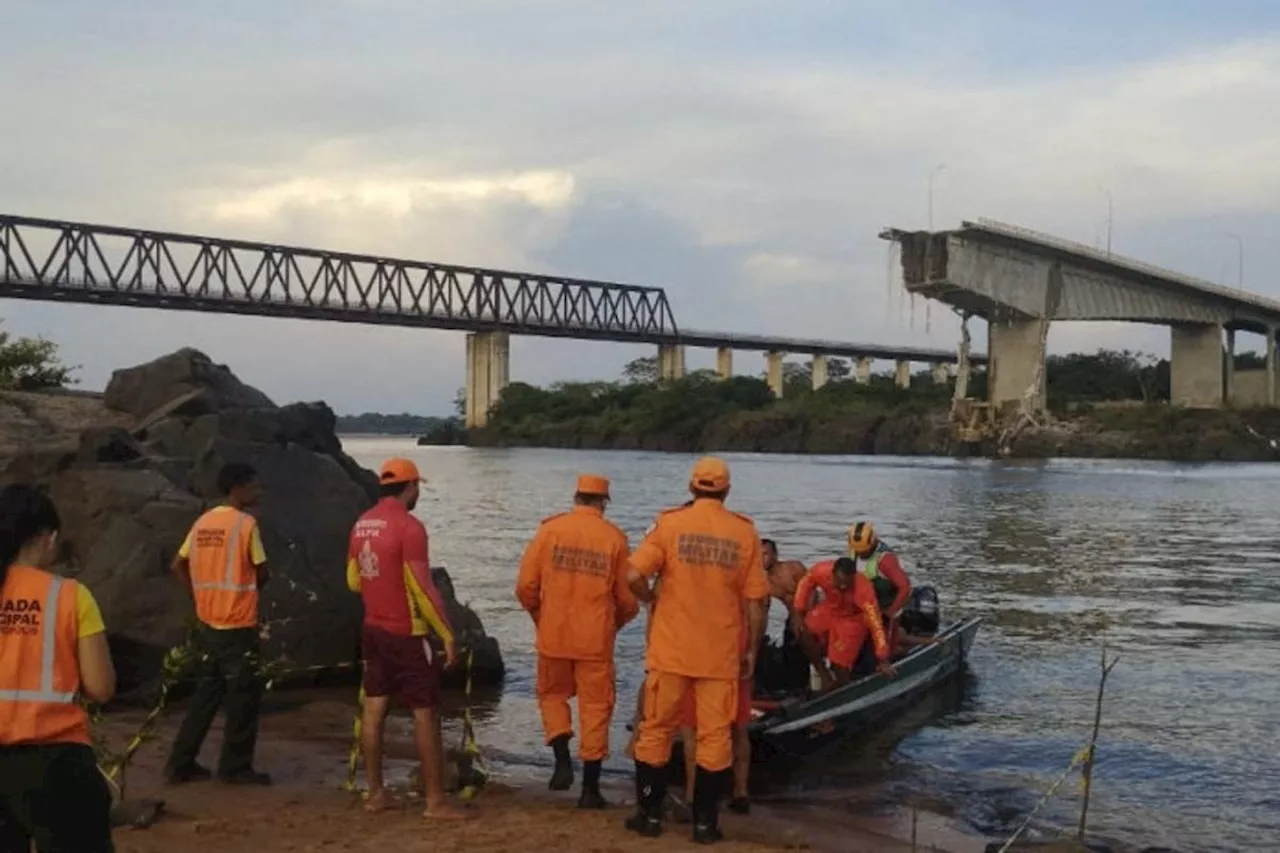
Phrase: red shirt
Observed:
(389, 548)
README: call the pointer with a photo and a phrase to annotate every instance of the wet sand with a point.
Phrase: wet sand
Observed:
(304, 745)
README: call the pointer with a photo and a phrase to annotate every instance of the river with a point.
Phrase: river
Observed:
(1175, 568)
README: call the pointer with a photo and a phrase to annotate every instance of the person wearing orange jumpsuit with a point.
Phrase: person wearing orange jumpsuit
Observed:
(842, 621)
(708, 561)
(573, 582)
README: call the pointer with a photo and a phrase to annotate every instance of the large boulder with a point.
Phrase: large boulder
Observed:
(141, 390)
(129, 493)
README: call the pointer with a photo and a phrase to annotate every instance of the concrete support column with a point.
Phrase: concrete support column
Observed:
(1195, 365)
(941, 373)
(1229, 369)
(902, 374)
(670, 361)
(724, 362)
(488, 370)
(1013, 359)
(773, 372)
(1271, 366)
(862, 371)
(819, 371)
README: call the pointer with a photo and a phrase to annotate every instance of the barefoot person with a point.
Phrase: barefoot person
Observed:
(573, 583)
(388, 565)
(53, 649)
(224, 565)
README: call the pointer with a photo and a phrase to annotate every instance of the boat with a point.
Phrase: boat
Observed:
(800, 726)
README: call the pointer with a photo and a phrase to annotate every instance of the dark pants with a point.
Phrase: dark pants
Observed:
(53, 795)
(227, 669)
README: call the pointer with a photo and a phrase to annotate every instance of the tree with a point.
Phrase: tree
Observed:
(838, 368)
(460, 402)
(641, 371)
(29, 364)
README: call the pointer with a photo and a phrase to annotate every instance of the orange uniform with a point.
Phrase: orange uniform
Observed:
(708, 561)
(573, 581)
(223, 549)
(42, 617)
(844, 617)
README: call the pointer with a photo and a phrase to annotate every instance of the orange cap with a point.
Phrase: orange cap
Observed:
(709, 475)
(399, 471)
(593, 484)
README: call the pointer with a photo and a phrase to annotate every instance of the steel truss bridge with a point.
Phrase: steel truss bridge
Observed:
(74, 262)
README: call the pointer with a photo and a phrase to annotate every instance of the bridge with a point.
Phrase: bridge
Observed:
(1021, 280)
(72, 262)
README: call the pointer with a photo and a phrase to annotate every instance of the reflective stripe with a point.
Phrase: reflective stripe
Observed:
(46, 693)
(871, 567)
(229, 580)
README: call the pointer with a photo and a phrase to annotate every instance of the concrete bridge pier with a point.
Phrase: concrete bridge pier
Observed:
(1013, 350)
(819, 371)
(1196, 372)
(1229, 369)
(862, 371)
(724, 362)
(670, 361)
(1271, 366)
(941, 373)
(773, 372)
(488, 371)
(902, 374)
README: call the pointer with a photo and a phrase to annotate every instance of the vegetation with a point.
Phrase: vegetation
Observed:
(702, 412)
(375, 423)
(31, 364)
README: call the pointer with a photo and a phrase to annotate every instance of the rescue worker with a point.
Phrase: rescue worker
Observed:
(573, 583)
(880, 566)
(223, 563)
(389, 565)
(842, 621)
(708, 561)
(53, 650)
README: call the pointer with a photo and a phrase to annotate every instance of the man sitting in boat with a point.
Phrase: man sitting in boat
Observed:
(836, 628)
(881, 566)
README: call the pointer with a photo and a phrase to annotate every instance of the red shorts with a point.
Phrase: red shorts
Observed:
(689, 717)
(401, 666)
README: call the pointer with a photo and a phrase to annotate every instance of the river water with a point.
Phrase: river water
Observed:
(1174, 568)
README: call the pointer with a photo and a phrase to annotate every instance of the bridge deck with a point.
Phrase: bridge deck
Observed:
(1102, 285)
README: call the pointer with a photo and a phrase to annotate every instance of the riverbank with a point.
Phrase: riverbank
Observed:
(304, 741)
(914, 428)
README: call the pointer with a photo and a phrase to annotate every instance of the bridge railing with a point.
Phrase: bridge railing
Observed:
(76, 262)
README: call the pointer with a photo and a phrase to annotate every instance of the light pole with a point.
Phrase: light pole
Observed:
(1110, 214)
(933, 173)
(1239, 259)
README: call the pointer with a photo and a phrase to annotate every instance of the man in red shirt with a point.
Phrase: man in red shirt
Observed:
(388, 565)
(880, 565)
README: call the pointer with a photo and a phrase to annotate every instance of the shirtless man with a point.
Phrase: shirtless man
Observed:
(784, 576)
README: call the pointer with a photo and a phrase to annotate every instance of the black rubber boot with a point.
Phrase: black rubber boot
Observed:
(651, 792)
(707, 790)
(591, 797)
(562, 776)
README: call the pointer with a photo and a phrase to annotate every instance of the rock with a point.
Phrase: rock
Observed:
(486, 666)
(108, 444)
(142, 390)
(128, 492)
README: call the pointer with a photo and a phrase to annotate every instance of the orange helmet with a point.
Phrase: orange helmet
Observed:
(862, 538)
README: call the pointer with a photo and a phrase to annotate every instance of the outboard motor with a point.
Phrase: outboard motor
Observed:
(921, 617)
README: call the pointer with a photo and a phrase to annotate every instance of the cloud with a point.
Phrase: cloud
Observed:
(743, 158)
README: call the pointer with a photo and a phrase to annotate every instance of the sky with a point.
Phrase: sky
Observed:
(743, 155)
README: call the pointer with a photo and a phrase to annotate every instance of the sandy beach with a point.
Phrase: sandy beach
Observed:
(304, 745)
